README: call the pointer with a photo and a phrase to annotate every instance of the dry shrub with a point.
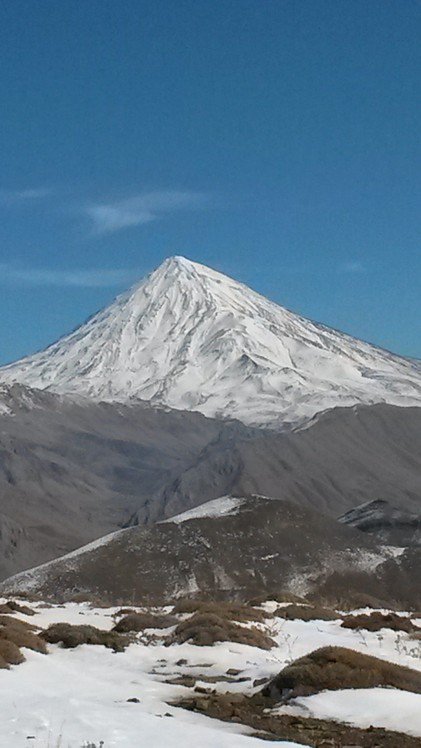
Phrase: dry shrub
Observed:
(11, 621)
(17, 608)
(278, 597)
(226, 610)
(352, 600)
(376, 621)
(21, 633)
(31, 597)
(5, 610)
(204, 629)
(10, 652)
(71, 636)
(23, 638)
(306, 613)
(141, 621)
(333, 668)
(11, 607)
(124, 612)
(92, 599)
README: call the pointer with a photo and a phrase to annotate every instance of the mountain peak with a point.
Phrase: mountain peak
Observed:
(175, 263)
(189, 337)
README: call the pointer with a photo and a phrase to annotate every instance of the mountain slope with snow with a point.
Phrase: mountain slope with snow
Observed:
(252, 549)
(191, 338)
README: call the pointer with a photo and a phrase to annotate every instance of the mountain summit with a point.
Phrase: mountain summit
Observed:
(191, 338)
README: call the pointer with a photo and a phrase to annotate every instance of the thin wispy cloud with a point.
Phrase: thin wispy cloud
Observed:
(10, 197)
(352, 267)
(107, 218)
(90, 278)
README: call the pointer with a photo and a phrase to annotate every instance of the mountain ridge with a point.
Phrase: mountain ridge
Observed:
(276, 543)
(191, 338)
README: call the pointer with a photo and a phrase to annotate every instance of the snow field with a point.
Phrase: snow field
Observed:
(71, 697)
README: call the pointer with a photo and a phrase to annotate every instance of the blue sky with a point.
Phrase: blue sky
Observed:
(278, 141)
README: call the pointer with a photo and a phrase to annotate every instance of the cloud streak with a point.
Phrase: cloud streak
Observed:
(107, 218)
(91, 278)
(352, 266)
(13, 197)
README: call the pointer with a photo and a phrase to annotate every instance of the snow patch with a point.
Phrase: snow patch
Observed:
(215, 508)
(362, 707)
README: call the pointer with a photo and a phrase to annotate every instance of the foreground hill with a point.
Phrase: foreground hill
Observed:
(237, 547)
(191, 338)
(72, 471)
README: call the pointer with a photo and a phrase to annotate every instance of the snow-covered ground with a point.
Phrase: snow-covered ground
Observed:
(362, 707)
(79, 697)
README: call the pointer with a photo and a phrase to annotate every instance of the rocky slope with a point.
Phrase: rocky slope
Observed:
(386, 522)
(233, 547)
(73, 471)
(339, 460)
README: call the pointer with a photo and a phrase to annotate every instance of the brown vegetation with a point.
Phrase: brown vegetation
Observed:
(10, 653)
(124, 612)
(333, 668)
(376, 621)
(12, 607)
(91, 598)
(204, 629)
(306, 613)
(141, 621)
(11, 620)
(21, 633)
(23, 639)
(71, 636)
(31, 597)
(227, 610)
(278, 597)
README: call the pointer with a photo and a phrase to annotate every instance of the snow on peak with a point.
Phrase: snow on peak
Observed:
(221, 507)
(189, 337)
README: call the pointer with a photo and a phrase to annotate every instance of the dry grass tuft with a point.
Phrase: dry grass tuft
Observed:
(142, 621)
(226, 610)
(11, 607)
(349, 601)
(21, 633)
(71, 636)
(306, 613)
(278, 597)
(10, 652)
(93, 600)
(376, 621)
(205, 629)
(17, 608)
(333, 668)
(12, 621)
(23, 638)
(32, 597)
(124, 612)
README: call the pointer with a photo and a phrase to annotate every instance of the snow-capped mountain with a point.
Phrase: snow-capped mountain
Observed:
(191, 338)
